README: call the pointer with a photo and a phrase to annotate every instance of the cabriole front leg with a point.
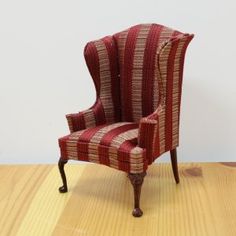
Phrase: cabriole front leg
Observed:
(137, 181)
(63, 188)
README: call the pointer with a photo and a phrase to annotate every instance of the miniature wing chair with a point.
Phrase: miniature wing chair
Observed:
(137, 74)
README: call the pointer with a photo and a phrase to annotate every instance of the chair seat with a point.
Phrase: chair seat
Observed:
(114, 145)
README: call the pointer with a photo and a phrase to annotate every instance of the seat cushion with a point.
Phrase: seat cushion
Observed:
(114, 145)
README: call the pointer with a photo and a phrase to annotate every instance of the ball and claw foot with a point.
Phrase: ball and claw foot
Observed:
(137, 181)
(137, 212)
(63, 189)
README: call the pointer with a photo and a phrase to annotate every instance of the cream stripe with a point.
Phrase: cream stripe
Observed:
(99, 135)
(164, 54)
(69, 120)
(89, 118)
(137, 72)
(115, 143)
(95, 140)
(161, 84)
(136, 160)
(105, 80)
(40, 220)
(136, 154)
(175, 95)
(71, 145)
(127, 135)
(164, 35)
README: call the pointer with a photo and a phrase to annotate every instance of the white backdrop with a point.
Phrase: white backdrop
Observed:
(43, 75)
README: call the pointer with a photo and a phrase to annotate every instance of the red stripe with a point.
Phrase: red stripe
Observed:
(146, 140)
(63, 147)
(126, 76)
(89, 133)
(168, 120)
(78, 121)
(103, 152)
(92, 61)
(126, 148)
(84, 139)
(124, 166)
(99, 113)
(149, 64)
(108, 137)
(115, 83)
(145, 162)
(156, 146)
(123, 155)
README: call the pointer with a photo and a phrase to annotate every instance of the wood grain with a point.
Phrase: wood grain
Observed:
(18, 185)
(99, 201)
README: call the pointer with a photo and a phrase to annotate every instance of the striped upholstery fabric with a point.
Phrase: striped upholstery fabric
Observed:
(138, 79)
(101, 58)
(114, 145)
(138, 49)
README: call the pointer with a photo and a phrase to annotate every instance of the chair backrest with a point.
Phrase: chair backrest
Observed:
(140, 79)
(137, 69)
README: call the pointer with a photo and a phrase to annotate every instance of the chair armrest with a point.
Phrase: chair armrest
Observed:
(148, 137)
(88, 118)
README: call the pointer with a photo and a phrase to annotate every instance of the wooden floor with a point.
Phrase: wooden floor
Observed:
(100, 200)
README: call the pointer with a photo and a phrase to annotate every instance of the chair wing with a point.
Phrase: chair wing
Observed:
(102, 62)
(159, 132)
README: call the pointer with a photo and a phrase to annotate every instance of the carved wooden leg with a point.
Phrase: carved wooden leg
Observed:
(137, 180)
(174, 163)
(63, 188)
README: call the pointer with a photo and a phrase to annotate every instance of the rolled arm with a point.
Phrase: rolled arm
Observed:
(88, 118)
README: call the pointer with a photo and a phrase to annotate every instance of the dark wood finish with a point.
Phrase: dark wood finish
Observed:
(63, 188)
(137, 181)
(230, 164)
(174, 163)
